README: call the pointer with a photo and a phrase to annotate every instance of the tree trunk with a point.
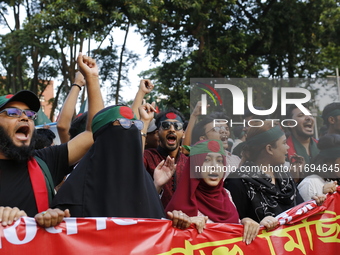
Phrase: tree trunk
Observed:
(121, 64)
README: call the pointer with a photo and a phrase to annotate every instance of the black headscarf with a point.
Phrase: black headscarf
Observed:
(111, 181)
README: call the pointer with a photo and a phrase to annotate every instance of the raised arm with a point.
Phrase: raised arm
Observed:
(66, 114)
(192, 121)
(146, 113)
(78, 146)
(145, 87)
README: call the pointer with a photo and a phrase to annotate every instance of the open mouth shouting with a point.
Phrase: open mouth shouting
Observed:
(22, 133)
(213, 176)
(224, 139)
(308, 126)
(171, 139)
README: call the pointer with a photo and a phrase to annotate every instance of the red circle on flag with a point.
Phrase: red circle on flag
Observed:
(9, 96)
(214, 146)
(126, 112)
(171, 115)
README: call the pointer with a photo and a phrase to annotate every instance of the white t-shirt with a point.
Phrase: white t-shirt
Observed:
(310, 186)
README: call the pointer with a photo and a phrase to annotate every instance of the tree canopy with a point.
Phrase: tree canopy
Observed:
(199, 38)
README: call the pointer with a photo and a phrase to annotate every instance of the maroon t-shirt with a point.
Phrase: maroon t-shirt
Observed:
(152, 157)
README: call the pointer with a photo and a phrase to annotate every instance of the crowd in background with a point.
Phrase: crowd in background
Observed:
(122, 161)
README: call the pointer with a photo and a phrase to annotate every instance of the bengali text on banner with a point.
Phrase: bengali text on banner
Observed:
(304, 229)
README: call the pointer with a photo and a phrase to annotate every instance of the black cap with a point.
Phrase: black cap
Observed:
(25, 96)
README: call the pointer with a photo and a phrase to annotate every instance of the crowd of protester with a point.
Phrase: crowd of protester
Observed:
(118, 161)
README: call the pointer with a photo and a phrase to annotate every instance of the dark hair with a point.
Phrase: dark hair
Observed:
(251, 153)
(44, 138)
(328, 108)
(185, 125)
(238, 149)
(323, 130)
(161, 114)
(326, 142)
(290, 108)
(78, 125)
(199, 129)
(248, 113)
(238, 131)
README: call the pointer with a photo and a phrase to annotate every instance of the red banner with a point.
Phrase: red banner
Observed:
(305, 229)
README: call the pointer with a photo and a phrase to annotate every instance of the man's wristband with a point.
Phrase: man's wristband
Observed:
(160, 194)
(143, 134)
(76, 85)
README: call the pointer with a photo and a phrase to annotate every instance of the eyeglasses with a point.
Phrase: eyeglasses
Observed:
(219, 128)
(167, 125)
(16, 113)
(126, 123)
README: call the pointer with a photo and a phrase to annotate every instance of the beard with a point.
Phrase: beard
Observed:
(299, 132)
(163, 143)
(11, 151)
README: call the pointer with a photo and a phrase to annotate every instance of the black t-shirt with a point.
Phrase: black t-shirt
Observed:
(15, 184)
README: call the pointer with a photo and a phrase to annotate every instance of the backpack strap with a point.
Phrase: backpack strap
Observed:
(48, 178)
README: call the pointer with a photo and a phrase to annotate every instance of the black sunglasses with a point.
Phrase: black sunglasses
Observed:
(16, 113)
(167, 125)
(126, 123)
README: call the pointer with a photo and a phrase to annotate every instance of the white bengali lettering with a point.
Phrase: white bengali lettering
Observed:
(11, 235)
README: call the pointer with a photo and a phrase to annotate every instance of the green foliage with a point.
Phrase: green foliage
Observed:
(108, 61)
(200, 38)
(171, 86)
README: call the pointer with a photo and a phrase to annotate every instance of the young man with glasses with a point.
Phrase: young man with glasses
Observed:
(27, 184)
(207, 129)
(170, 132)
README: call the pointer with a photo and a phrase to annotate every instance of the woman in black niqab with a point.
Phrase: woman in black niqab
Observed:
(111, 181)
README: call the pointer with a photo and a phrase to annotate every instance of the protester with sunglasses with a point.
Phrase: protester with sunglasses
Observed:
(27, 186)
(170, 132)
